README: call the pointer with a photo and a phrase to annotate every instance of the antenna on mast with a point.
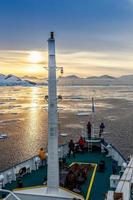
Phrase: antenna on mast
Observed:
(52, 35)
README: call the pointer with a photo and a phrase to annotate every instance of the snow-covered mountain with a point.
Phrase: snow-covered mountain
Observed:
(101, 77)
(105, 80)
(71, 77)
(125, 80)
(93, 80)
(38, 81)
(11, 80)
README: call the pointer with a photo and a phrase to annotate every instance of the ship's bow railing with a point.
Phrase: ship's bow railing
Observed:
(124, 189)
(11, 174)
(10, 193)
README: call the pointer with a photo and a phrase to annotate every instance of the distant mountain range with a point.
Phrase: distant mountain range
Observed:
(101, 77)
(97, 80)
(12, 80)
(90, 77)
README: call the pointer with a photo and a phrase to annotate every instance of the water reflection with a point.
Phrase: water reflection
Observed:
(32, 123)
(33, 114)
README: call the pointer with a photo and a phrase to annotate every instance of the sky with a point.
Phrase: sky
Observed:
(93, 37)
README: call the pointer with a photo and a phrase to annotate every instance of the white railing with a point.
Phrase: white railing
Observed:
(11, 174)
(124, 186)
(114, 153)
(11, 193)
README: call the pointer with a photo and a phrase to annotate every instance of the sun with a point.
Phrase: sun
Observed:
(35, 57)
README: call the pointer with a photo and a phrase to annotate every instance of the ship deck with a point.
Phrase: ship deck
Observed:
(94, 188)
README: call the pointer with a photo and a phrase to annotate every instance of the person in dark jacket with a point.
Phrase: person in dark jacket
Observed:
(89, 129)
(71, 148)
(20, 181)
(102, 127)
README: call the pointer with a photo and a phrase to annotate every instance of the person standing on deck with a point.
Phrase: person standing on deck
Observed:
(71, 148)
(102, 127)
(89, 129)
(81, 144)
(42, 156)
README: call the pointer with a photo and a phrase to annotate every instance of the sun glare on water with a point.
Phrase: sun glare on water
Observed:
(35, 57)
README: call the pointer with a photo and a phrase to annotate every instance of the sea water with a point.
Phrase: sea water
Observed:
(24, 118)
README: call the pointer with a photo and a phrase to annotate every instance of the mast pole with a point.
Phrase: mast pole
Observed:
(53, 164)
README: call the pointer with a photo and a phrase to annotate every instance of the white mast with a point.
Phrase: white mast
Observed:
(52, 191)
(53, 163)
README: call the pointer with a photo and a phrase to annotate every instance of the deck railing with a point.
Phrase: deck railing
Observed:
(114, 153)
(11, 193)
(11, 174)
